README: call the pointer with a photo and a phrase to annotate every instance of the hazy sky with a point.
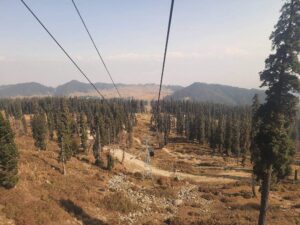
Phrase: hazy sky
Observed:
(221, 41)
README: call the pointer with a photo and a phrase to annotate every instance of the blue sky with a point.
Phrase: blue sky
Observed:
(222, 41)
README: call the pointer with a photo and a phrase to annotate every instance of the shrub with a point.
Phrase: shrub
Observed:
(119, 202)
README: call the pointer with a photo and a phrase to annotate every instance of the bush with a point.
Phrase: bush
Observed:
(212, 222)
(110, 162)
(138, 175)
(176, 221)
(297, 206)
(119, 202)
(208, 197)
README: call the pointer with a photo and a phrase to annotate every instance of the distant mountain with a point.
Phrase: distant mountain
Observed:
(217, 93)
(197, 91)
(76, 88)
(72, 87)
(25, 90)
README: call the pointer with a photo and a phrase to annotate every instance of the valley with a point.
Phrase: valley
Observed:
(188, 185)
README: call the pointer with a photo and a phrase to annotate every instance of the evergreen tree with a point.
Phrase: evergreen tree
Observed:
(220, 134)
(83, 132)
(254, 130)
(51, 125)
(75, 144)
(166, 127)
(24, 125)
(130, 134)
(17, 112)
(65, 135)
(8, 155)
(236, 138)
(254, 127)
(110, 162)
(277, 114)
(97, 149)
(39, 131)
(201, 135)
(245, 141)
(179, 123)
(228, 135)
(75, 136)
(213, 137)
(208, 128)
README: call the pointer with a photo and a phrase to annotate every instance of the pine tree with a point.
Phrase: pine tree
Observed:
(208, 128)
(64, 135)
(166, 127)
(8, 155)
(110, 162)
(254, 130)
(228, 135)
(213, 137)
(245, 141)
(75, 136)
(39, 131)
(51, 125)
(18, 110)
(179, 123)
(236, 138)
(130, 134)
(24, 125)
(220, 134)
(201, 136)
(97, 149)
(83, 132)
(277, 114)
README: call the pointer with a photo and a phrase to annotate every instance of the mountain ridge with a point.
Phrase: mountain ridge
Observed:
(77, 88)
(217, 93)
(197, 91)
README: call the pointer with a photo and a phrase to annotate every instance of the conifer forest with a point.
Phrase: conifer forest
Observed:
(148, 149)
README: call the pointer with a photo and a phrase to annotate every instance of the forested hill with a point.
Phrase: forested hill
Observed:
(200, 92)
(217, 93)
(25, 89)
(76, 88)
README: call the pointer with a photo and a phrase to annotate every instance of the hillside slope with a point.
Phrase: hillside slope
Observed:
(25, 90)
(216, 93)
(76, 88)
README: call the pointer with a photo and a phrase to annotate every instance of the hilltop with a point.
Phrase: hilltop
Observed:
(200, 92)
(76, 88)
(216, 93)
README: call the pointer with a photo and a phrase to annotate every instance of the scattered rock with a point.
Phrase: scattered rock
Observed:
(177, 202)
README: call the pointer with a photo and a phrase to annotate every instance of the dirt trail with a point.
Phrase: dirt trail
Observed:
(136, 165)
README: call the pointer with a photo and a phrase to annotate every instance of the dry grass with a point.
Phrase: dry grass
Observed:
(119, 202)
(44, 196)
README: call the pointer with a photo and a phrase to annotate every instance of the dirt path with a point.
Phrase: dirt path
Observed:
(133, 162)
(136, 165)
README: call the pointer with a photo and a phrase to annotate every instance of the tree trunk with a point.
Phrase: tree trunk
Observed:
(64, 169)
(253, 185)
(265, 191)
(296, 175)
(123, 156)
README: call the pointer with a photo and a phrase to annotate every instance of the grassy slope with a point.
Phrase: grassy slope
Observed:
(44, 196)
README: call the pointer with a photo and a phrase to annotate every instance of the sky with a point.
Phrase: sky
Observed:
(221, 41)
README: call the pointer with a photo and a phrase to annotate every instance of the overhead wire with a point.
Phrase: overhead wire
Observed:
(64, 51)
(96, 48)
(98, 52)
(165, 55)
